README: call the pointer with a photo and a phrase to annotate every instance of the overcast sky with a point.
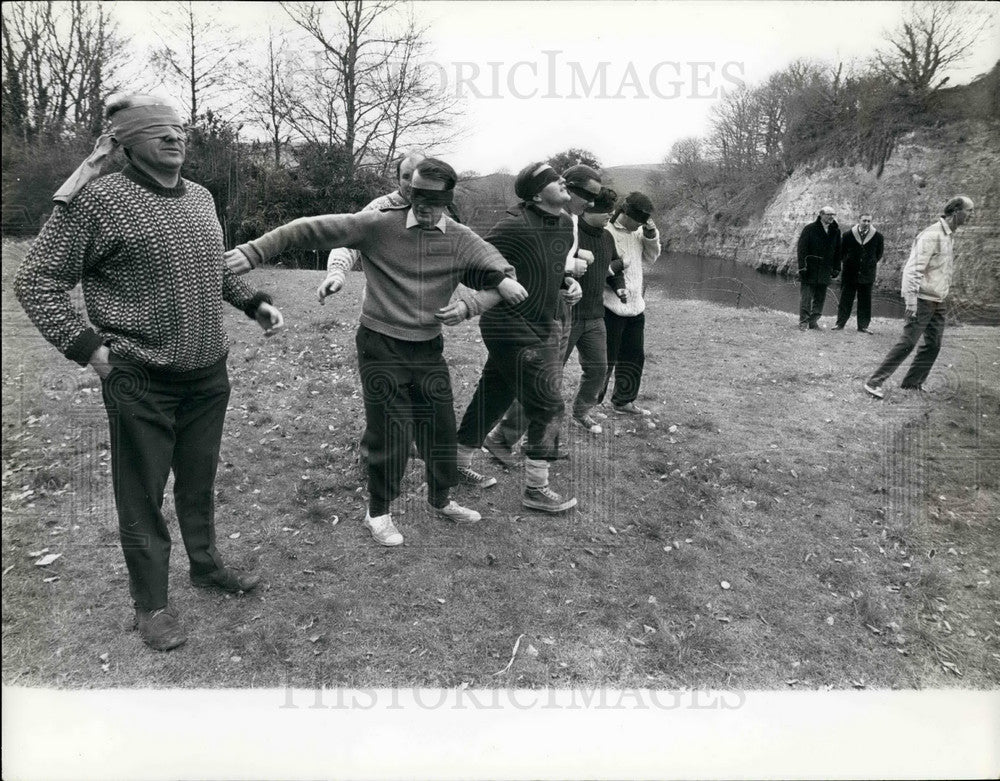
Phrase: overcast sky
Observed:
(624, 80)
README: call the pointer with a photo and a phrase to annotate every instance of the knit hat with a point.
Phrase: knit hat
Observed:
(604, 203)
(532, 179)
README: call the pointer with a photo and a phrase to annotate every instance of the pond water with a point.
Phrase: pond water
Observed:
(726, 282)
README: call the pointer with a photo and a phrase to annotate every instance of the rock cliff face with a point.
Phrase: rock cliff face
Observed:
(927, 168)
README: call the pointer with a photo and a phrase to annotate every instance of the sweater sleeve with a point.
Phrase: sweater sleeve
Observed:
(482, 264)
(650, 249)
(322, 233)
(52, 268)
(237, 292)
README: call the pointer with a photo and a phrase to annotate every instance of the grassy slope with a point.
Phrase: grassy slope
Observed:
(859, 538)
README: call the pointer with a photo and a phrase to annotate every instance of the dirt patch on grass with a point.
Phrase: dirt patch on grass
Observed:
(768, 527)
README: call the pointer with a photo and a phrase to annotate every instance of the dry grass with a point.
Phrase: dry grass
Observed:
(858, 539)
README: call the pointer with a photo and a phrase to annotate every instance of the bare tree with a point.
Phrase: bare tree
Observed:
(366, 90)
(59, 61)
(268, 88)
(198, 52)
(931, 37)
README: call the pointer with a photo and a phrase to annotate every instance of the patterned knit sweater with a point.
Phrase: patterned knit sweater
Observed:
(150, 260)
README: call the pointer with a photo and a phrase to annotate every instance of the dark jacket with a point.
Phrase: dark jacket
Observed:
(535, 243)
(602, 244)
(819, 253)
(858, 258)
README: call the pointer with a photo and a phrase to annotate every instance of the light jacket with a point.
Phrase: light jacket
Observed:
(928, 270)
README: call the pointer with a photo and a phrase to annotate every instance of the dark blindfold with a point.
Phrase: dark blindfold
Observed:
(431, 197)
(636, 214)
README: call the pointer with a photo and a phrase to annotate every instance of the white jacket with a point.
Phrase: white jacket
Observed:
(636, 250)
(928, 270)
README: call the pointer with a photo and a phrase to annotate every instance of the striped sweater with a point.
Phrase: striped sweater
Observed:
(150, 261)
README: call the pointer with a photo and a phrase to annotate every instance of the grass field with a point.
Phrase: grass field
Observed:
(770, 527)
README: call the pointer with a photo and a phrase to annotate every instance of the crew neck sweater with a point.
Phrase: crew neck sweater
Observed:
(535, 243)
(150, 262)
(594, 281)
(410, 273)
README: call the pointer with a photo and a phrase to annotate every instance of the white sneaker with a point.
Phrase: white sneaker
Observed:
(455, 513)
(383, 530)
(874, 390)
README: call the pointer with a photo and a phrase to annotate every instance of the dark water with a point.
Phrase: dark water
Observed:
(726, 282)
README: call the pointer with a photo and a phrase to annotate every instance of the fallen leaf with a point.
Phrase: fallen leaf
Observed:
(50, 580)
(38, 553)
(442, 601)
(829, 620)
(103, 657)
(235, 658)
(46, 560)
(314, 638)
(613, 530)
(234, 536)
(725, 585)
(531, 651)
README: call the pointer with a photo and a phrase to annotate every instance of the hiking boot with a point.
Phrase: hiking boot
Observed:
(230, 580)
(545, 499)
(159, 628)
(629, 409)
(384, 532)
(587, 422)
(469, 476)
(874, 390)
(455, 513)
(500, 450)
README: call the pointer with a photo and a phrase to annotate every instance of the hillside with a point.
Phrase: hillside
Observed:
(929, 166)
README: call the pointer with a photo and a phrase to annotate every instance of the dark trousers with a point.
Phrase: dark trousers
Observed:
(533, 376)
(590, 339)
(161, 421)
(407, 394)
(811, 300)
(626, 356)
(929, 321)
(848, 289)
(515, 422)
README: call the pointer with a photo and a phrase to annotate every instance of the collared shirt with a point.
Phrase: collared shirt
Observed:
(411, 221)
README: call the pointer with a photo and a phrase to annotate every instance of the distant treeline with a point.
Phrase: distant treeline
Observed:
(808, 115)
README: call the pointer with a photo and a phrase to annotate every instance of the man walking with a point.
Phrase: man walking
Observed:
(523, 338)
(638, 242)
(583, 184)
(819, 262)
(148, 248)
(413, 258)
(588, 334)
(926, 282)
(860, 251)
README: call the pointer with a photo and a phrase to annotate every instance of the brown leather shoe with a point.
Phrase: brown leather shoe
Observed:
(159, 628)
(230, 580)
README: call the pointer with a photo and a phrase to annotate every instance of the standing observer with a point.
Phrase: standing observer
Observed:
(818, 253)
(148, 248)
